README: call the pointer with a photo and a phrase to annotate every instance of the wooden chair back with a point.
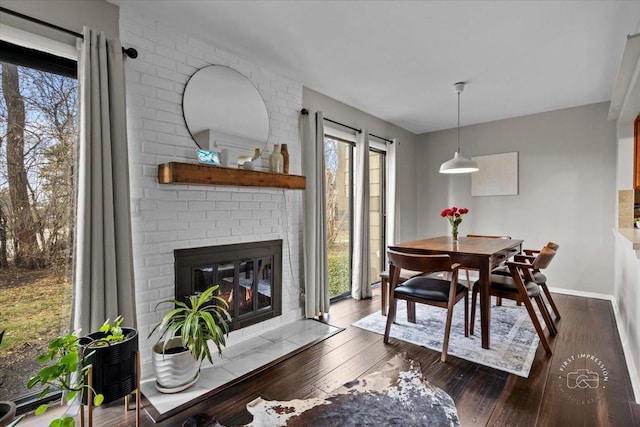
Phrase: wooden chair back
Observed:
(423, 263)
(544, 258)
(553, 246)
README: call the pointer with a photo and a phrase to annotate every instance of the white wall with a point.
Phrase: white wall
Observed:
(567, 189)
(69, 14)
(343, 113)
(168, 217)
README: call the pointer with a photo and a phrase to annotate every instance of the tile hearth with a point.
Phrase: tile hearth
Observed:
(238, 361)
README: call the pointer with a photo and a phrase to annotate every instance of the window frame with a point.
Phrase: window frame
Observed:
(42, 61)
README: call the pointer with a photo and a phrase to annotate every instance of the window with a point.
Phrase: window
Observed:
(339, 199)
(377, 212)
(38, 133)
(339, 171)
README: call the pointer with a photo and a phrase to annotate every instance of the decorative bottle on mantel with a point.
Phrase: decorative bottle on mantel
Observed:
(276, 159)
(285, 157)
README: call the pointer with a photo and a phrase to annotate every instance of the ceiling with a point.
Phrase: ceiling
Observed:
(398, 60)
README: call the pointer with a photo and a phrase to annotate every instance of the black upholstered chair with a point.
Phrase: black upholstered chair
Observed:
(429, 290)
(520, 285)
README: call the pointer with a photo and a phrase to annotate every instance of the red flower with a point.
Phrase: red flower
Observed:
(454, 215)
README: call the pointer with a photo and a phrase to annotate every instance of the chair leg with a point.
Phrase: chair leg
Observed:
(447, 331)
(537, 326)
(474, 296)
(391, 317)
(552, 303)
(466, 314)
(468, 281)
(411, 312)
(498, 301)
(384, 294)
(545, 315)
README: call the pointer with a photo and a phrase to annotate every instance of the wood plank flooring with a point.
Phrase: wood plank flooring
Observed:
(483, 396)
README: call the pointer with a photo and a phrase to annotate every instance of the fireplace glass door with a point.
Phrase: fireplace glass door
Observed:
(249, 282)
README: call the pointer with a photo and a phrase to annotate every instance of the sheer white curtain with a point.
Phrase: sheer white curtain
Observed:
(103, 270)
(361, 267)
(393, 208)
(315, 221)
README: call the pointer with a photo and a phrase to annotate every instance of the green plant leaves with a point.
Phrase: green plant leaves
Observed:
(98, 399)
(203, 317)
(41, 409)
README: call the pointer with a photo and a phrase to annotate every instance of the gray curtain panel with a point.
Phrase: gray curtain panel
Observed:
(361, 270)
(103, 270)
(316, 277)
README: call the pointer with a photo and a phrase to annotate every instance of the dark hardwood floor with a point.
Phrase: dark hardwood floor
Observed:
(483, 396)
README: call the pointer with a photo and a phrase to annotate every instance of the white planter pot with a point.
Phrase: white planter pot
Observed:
(174, 372)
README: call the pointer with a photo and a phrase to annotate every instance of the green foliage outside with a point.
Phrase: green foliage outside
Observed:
(339, 271)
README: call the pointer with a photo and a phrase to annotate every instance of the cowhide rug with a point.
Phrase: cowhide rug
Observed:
(395, 395)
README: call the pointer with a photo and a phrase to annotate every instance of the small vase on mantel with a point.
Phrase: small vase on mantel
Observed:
(276, 159)
(285, 158)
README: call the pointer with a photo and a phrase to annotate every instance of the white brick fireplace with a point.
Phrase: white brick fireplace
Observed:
(168, 217)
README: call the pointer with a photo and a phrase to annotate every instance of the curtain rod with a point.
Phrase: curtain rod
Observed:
(305, 112)
(130, 52)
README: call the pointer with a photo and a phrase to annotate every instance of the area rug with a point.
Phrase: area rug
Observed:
(513, 337)
(395, 395)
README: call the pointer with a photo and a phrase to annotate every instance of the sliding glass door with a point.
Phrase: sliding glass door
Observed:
(377, 216)
(339, 207)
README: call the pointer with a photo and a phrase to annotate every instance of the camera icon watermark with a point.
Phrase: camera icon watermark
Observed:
(583, 378)
(580, 376)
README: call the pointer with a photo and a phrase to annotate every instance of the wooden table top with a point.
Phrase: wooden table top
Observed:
(465, 245)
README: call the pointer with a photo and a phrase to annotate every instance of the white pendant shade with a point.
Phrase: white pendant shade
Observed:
(459, 164)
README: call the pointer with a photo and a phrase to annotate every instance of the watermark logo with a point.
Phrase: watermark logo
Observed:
(581, 375)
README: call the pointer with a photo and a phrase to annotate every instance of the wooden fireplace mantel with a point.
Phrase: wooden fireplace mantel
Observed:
(199, 174)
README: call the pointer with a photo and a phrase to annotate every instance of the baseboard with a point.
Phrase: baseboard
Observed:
(584, 294)
(631, 368)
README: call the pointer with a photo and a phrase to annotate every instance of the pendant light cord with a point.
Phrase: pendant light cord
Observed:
(458, 121)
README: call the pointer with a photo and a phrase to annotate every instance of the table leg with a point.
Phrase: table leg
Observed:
(485, 302)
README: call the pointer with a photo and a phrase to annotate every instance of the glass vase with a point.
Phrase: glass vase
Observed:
(454, 233)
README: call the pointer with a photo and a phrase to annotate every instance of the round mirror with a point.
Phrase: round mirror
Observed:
(225, 113)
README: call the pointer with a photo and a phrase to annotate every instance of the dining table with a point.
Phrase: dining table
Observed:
(477, 253)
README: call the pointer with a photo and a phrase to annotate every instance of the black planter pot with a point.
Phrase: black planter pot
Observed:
(114, 366)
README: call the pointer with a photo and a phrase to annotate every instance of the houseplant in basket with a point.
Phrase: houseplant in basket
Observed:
(110, 354)
(185, 332)
(112, 350)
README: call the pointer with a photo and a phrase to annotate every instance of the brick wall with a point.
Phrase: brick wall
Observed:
(167, 217)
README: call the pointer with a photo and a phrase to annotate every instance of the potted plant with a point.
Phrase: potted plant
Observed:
(67, 373)
(113, 348)
(185, 332)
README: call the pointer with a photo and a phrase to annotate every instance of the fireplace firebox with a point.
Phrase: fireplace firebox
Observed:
(249, 276)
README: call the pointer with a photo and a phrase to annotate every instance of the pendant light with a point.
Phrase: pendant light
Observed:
(459, 163)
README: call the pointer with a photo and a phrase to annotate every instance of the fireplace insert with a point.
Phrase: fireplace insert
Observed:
(249, 276)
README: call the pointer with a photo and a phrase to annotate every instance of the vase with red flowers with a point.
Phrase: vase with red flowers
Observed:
(454, 215)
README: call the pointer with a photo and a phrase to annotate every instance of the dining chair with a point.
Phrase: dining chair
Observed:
(427, 289)
(539, 277)
(384, 286)
(520, 285)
